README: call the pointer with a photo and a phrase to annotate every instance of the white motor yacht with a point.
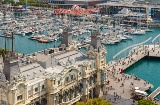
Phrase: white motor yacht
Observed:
(138, 32)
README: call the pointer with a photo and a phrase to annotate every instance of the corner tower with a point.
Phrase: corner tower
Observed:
(97, 51)
(67, 42)
(11, 67)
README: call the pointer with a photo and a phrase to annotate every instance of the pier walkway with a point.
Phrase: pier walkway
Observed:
(134, 55)
(122, 84)
(154, 93)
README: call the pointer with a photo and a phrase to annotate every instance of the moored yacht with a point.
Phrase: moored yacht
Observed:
(138, 32)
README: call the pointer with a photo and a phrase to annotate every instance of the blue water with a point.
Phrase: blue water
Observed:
(156, 20)
(146, 68)
(158, 96)
(23, 45)
(114, 49)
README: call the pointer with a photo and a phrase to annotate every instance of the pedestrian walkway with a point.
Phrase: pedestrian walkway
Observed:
(119, 101)
(122, 85)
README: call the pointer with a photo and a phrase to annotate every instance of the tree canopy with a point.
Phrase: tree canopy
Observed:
(145, 102)
(3, 52)
(23, 2)
(95, 101)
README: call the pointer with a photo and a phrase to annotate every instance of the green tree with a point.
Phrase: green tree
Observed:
(89, 102)
(145, 102)
(3, 52)
(95, 101)
(8, 2)
(80, 103)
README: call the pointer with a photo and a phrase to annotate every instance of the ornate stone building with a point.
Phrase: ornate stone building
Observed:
(55, 76)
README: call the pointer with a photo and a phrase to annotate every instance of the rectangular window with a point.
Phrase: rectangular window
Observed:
(36, 89)
(54, 82)
(29, 92)
(66, 79)
(90, 81)
(71, 77)
(94, 64)
(58, 82)
(19, 98)
(42, 87)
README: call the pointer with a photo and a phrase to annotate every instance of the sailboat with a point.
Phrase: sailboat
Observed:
(138, 32)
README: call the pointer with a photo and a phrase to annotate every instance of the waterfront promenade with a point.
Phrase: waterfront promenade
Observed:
(122, 84)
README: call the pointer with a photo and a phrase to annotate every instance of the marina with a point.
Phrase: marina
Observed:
(50, 46)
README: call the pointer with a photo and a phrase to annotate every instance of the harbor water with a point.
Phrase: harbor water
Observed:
(147, 68)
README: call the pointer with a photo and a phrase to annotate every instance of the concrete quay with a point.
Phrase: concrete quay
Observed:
(122, 84)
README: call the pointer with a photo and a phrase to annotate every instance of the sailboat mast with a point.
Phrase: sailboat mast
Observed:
(5, 44)
(12, 42)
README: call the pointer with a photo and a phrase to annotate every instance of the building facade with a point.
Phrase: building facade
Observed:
(55, 76)
(112, 8)
(70, 3)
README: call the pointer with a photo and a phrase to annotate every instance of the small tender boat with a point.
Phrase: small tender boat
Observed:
(43, 40)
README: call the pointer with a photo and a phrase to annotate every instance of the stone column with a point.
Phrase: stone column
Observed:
(25, 93)
(50, 99)
(70, 94)
(72, 91)
(60, 98)
(98, 83)
(98, 78)
(67, 97)
(85, 90)
(13, 97)
(75, 92)
(64, 97)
